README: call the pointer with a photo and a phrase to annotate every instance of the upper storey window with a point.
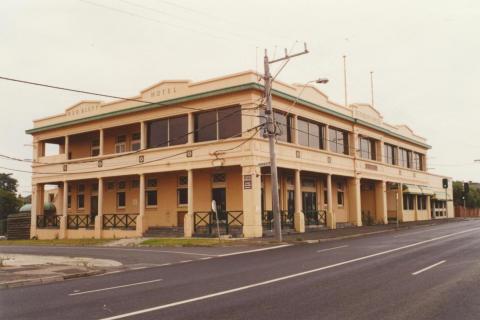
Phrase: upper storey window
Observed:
(418, 161)
(390, 154)
(338, 140)
(284, 124)
(218, 124)
(404, 158)
(120, 144)
(167, 132)
(310, 134)
(367, 148)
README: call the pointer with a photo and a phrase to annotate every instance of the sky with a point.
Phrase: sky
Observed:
(423, 54)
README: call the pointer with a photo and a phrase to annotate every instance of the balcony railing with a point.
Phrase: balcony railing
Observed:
(206, 221)
(315, 217)
(123, 221)
(80, 221)
(48, 221)
(287, 219)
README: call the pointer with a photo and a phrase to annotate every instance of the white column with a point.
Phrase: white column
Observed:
(141, 223)
(355, 204)
(381, 202)
(331, 222)
(67, 146)
(191, 127)
(251, 199)
(143, 135)
(101, 152)
(34, 211)
(299, 218)
(63, 219)
(99, 217)
(188, 218)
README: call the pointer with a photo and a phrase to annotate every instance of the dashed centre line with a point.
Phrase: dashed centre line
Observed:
(428, 268)
(112, 288)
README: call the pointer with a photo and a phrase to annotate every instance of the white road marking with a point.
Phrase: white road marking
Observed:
(205, 258)
(291, 276)
(117, 287)
(254, 250)
(428, 268)
(185, 261)
(328, 249)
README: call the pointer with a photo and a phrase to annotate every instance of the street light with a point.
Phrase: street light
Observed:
(321, 80)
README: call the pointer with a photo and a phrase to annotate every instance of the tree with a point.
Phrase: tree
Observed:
(472, 198)
(9, 202)
(8, 183)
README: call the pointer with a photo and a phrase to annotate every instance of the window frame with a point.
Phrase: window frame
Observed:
(334, 141)
(124, 199)
(121, 143)
(390, 147)
(95, 148)
(370, 144)
(310, 136)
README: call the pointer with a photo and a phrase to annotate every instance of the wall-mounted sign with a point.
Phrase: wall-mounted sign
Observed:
(247, 181)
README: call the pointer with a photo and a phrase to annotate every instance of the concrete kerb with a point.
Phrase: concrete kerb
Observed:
(49, 279)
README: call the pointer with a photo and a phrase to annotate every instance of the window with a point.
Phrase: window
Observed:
(121, 185)
(390, 157)
(151, 197)
(69, 201)
(404, 158)
(151, 183)
(421, 202)
(94, 187)
(110, 185)
(120, 144)
(121, 199)
(308, 182)
(95, 148)
(167, 132)
(81, 197)
(325, 197)
(135, 144)
(218, 124)
(417, 161)
(229, 122)
(218, 178)
(80, 201)
(338, 140)
(284, 123)
(340, 195)
(135, 183)
(310, 134)
(367, 148)
(183, 181)
(408, 201)
(182, 196)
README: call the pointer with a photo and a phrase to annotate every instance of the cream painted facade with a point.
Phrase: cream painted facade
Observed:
(114, 182)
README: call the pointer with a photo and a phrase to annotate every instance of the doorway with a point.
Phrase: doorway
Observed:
(93, 208)
(220, 197)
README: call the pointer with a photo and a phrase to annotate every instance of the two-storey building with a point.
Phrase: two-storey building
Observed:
(159, 159)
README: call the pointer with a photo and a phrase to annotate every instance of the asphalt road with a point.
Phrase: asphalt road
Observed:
(421, 273)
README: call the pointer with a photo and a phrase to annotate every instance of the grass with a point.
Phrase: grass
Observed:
(56, 242)
(186, 242)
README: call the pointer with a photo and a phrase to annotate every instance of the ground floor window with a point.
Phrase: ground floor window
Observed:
(408, 201)
(151, 197)
(121, 200)
(340, 195)
(182, 196)
(421, 202)
(80, 201)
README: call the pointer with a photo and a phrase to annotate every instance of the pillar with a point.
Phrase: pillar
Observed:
(252, 216)
(140, 226)
(331, 221)
(34, 210)
(400, 202)
(381, 202)
(299, 215)
(67, 147)
(64, 218)
(354, 201)
(101, 142)
(191, 128)
(99, 217)
(429, 208)
(188, 218)
(143, 135)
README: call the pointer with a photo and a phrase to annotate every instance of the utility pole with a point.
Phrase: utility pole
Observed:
(371, 87)
(345, 79)
(272, 131)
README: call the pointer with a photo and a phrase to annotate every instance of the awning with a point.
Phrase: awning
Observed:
(439, 195)
(411, 188)
(427, 191)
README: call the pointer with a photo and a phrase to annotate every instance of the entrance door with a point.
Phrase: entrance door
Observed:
(291, 202)
(220, 197)
(93, 208)
(309, 201)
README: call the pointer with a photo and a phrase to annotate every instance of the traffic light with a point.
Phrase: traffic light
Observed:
(466, 188)
(445, 183)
